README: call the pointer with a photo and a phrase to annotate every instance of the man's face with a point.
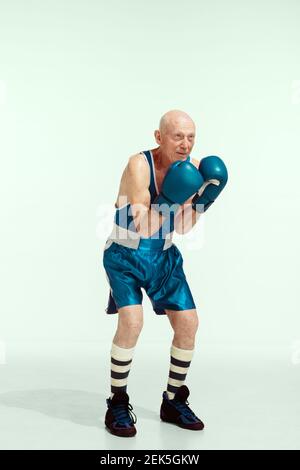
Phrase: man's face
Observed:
(177, 141)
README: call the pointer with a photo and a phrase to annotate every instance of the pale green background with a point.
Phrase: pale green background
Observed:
(86, 83)
(83, 85)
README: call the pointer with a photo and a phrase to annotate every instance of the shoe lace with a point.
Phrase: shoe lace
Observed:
(124, 414)
(184, 408)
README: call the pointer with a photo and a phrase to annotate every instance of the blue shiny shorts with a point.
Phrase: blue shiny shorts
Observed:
(159, 272)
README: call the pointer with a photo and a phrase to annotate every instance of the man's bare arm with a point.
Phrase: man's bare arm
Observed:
(186, 218)
(147, 221)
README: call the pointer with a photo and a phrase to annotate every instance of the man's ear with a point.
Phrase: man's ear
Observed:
(157, 137)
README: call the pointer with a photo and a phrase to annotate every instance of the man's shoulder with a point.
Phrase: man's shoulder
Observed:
(137, 162)
(136, 157)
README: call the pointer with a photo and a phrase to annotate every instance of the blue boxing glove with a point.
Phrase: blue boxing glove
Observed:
(215, 176)
(181, 181)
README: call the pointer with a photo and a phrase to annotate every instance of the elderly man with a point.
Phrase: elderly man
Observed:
(161, 190)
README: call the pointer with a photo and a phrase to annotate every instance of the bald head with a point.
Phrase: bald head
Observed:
(175, 137)
(174, 119)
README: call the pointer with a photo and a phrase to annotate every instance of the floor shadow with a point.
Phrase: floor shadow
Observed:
(77, 406)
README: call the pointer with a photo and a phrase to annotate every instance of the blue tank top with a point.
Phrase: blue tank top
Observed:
(123, 215)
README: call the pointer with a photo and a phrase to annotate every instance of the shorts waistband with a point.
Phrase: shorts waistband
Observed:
(154, 244)
(141, 244)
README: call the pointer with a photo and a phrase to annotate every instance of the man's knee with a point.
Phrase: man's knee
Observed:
(130, 320)
(184, 322)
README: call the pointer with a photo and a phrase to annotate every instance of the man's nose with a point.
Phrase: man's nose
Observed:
(184, 145)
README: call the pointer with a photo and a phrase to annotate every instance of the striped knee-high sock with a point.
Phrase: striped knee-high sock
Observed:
(180, 362)
(121, 359)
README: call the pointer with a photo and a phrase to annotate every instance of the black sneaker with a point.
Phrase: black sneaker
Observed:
(119, 419)
(178, 412)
